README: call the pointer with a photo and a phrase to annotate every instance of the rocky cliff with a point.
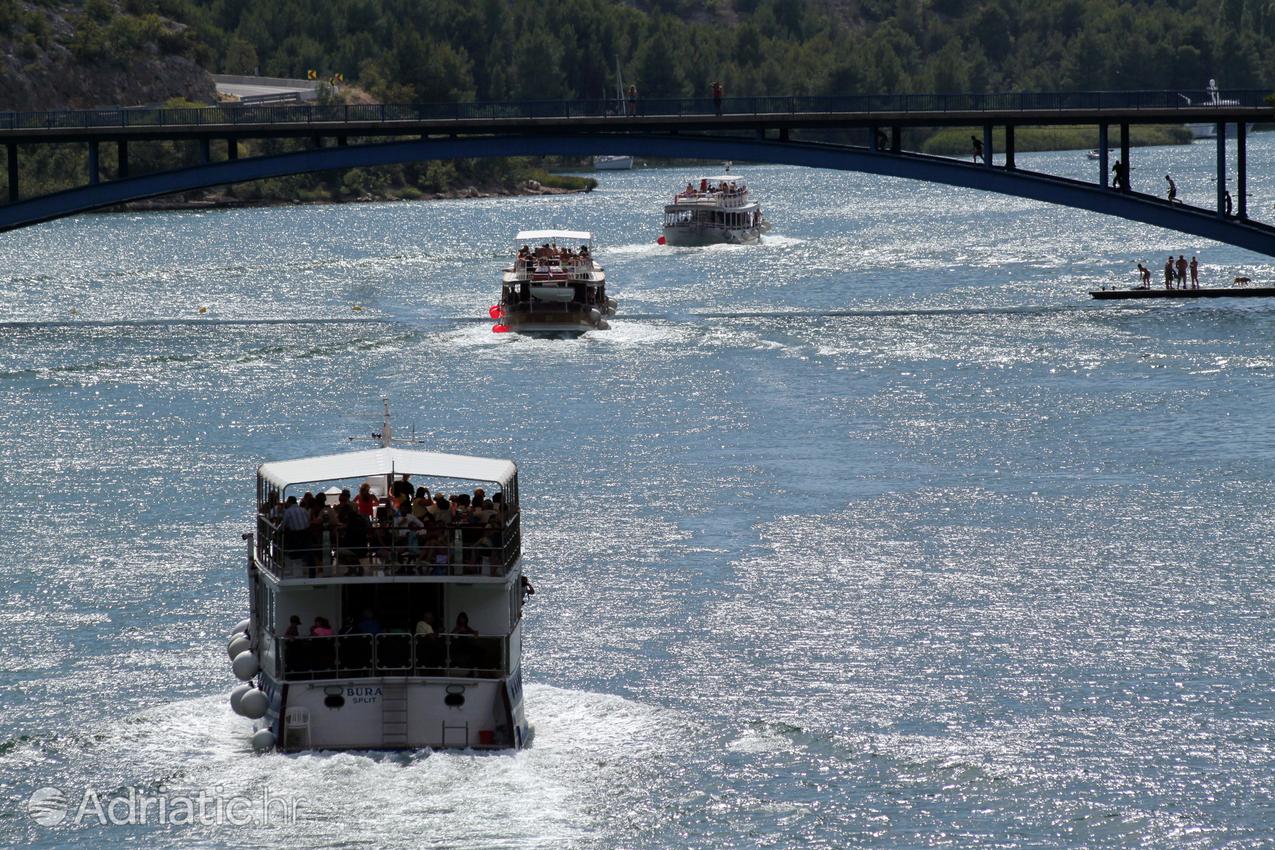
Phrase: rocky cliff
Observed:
(71, 56)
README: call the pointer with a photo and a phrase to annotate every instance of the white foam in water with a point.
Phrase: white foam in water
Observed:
(591, 752)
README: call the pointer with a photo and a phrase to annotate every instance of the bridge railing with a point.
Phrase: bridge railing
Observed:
(328, 114)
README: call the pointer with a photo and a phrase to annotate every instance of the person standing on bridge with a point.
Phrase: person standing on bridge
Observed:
(978, 148)
(718, 91)
(1173, 189)
(1168, 272)
(1120, 176)
(1181, 271)
(631, 100)
(1195, 272)
(1226, 203)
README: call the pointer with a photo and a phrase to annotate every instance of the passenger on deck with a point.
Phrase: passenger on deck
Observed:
(367, 624)
(296, 529)
(347, 625)
(352, 541)
(321, 628)
(365, 502)
(294, 627)
(426, 626)
(462, 626)
(420, 504)
(442, 509)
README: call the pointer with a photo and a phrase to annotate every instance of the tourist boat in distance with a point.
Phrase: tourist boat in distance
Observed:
(1094, 155)
(612, 163)
(1213, 97)
(713, 210)
(376, 662)
(555, 287)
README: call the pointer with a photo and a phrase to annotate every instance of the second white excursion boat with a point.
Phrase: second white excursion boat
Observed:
(555, 287)
(713, 210)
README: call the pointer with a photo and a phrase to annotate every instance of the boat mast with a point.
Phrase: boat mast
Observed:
(387, 432)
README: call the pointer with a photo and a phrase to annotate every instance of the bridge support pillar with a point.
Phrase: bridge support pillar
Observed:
(1104, 146)
(874, 137)
(1241, 170)
(1221, 168)
(896, 139)
(232, 148)
(13, 172)
(93, 171)
(1124, 156)
(988, 155)
(342, 141)
(783, 134)
(121, 148)
(205, 151)
(316, 142)
(1009, 147)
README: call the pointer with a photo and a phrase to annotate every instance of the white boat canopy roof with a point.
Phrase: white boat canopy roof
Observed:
(723, 178)
(365, 464)
(554, 236)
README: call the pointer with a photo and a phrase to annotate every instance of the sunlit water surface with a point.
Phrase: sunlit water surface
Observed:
(880, 533)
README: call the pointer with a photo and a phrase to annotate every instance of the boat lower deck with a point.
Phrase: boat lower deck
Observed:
(1217, 292)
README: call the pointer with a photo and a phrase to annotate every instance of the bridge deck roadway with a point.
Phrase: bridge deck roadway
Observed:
(300, 123)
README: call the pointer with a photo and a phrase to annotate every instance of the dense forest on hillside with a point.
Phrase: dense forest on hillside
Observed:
(444, 50)
(425, 50)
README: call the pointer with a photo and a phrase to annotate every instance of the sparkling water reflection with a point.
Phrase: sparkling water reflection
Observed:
(876, 534)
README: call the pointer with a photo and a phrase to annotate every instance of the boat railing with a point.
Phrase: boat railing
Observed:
(393, 654)
(458, 551)
(714, 199)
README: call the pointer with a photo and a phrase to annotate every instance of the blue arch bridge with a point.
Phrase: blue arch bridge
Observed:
(780, 130)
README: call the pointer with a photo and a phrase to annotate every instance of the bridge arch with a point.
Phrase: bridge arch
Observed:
(1024, 184)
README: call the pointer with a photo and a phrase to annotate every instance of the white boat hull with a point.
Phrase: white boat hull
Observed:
(694, 236)
(399, 713)
(612, 163)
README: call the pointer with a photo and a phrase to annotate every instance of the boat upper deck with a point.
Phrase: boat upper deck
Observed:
(723, 192)
(363, 518)
(552, 261)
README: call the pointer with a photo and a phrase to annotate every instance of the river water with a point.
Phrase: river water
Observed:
(880, 533)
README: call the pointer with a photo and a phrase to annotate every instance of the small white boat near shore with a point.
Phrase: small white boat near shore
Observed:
(612, 163)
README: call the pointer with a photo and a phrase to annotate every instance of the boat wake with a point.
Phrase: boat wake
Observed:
(590, 759)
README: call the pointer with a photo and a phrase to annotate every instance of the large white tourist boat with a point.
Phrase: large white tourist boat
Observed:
(555, 287)
(712, 210)
(382, 616)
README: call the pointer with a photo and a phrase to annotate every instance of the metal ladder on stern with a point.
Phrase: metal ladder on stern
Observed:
(394, 715)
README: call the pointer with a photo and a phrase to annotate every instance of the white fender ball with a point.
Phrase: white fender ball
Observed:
(238, 644)
(262, 740)
(236, 697)
(254, 704)
(245, 665)
(241, 628)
